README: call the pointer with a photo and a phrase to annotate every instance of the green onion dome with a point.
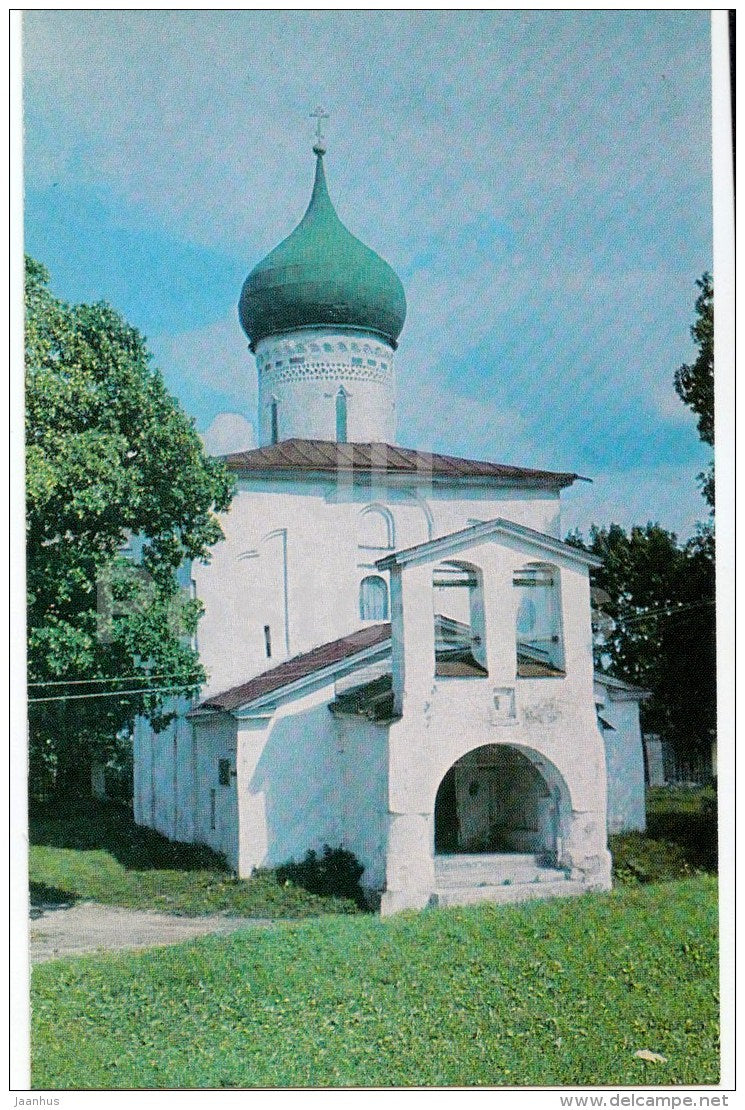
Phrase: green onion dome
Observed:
(322, 276)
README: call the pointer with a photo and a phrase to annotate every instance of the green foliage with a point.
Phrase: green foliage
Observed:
(95, 852)
(655, 625)
(109, 455)
(547, 993)
(681, 837)
(694, 382)
(335, 872)
(638, 858)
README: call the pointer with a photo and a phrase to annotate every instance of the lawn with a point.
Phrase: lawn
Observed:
(95, 852)
(555, 993)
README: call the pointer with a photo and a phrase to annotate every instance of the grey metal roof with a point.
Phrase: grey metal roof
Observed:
(327, 456)
(373, 700)
(620, 684)
(301, 666)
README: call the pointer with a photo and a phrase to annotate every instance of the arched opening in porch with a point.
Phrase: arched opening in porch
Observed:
(502, 799)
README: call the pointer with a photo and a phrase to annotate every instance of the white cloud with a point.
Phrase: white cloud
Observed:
(209, 368)
(228, 432)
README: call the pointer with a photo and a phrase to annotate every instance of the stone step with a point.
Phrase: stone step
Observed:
(513, 892)
(493, 870)
(501, 877)
(466, 859)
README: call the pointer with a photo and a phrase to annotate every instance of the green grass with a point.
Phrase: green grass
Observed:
(550, 993)
(95, 852)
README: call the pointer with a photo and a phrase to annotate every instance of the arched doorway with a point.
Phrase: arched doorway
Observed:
(499, 799)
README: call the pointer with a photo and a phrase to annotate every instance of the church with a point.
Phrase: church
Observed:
(398, 643)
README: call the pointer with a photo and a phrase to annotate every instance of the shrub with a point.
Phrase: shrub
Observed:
(335, 872)
(639, 859)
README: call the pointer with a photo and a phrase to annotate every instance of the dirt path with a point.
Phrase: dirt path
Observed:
(89, 927)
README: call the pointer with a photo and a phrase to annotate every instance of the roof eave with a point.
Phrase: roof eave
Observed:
(369, 474)
(492, 529)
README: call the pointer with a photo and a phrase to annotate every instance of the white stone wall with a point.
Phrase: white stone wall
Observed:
(215, 739)
(363, 794)
(304, 371)
(624, 757)
(306, 779)
(175, 771)
(292, 559)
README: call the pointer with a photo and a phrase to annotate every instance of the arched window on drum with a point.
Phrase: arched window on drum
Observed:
(539, 633)
(373, 598)
(341, 415)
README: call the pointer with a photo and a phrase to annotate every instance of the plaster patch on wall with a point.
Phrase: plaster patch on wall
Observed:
(542, 713)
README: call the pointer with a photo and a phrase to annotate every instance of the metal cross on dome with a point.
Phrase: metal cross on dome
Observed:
(319, 115)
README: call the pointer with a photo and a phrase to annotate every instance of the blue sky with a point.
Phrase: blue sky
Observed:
(539, 180)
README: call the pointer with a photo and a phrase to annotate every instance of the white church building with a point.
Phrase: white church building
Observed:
(398, 643)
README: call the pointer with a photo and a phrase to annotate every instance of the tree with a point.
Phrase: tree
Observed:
(110, 457)
(694, 383)
(654, 621)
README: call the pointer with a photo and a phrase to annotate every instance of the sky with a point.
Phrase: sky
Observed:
(540, 181)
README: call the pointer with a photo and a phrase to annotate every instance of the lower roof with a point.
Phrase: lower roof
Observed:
(299, 667)
(291, 456)
(338, 653)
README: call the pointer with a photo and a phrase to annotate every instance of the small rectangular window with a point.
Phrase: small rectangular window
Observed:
(223, 772)
(268, 641)
(213, 809)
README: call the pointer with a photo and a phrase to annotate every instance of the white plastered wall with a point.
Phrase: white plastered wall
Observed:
(305, 779)
(624, 757)
(302, 373)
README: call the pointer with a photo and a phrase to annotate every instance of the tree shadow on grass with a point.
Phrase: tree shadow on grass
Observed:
(107, 826)
(44, 898)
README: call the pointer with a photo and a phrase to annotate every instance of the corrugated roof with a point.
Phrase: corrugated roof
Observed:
(620, 684)
(373, 700)
(326, 456)
(360, 698)
(301, 666)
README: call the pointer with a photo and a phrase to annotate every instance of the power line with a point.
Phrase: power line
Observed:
(122, 678)
(107, 694)
(670, 611)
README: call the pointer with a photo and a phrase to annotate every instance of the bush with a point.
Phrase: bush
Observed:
(639, 859)
(688, 818)
(335, 872)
